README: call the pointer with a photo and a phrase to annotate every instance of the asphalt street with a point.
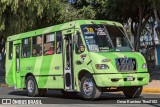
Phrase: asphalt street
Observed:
(115, 99)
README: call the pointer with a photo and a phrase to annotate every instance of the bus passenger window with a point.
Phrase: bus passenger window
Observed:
(26, 47)
(10, 50)
(48, 44)
(79, 43)
(58, 42)
(37, 46)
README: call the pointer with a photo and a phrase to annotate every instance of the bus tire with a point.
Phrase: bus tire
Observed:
(31, 87)
(132, 92)
(89, 90)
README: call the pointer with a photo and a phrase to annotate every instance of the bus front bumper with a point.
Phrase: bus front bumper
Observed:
(119, 80)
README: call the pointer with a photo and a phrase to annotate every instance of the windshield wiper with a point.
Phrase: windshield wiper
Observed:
(125, 34)
(107, 34)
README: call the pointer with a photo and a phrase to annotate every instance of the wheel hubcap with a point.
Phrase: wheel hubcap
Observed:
(30, 86)
(88, 87)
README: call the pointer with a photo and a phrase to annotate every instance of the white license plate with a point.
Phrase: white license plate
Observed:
(129, 78)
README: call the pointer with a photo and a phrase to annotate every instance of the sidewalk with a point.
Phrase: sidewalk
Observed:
(154, 85)
(2, 79)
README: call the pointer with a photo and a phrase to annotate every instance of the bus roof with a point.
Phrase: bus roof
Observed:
(60, 27)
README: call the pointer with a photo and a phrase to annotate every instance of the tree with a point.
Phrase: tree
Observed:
(17, 16)
(88, 9)
(156, 7)
(142, 12)
(139, 10)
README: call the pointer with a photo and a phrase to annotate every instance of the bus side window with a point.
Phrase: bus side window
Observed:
(37, 46)
(58, 42)
(48, 44)
(26, 47)
(79, 43)
(10, 50)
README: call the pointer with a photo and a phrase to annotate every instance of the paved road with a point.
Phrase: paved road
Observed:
(75, 100)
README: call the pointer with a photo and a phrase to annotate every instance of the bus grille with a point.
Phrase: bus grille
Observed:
(125, 64)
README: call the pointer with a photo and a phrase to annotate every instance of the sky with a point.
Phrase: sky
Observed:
(71, 1)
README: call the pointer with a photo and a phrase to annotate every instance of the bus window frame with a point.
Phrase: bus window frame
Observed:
(10, 54)
(36, 45)
(48, 42)
(61, 47)
(22, 47)
(79, 39)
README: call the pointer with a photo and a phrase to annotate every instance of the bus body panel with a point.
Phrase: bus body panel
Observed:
(9, 67)
(44, 69)
(111, 56)
(53, 82)
(106, 80)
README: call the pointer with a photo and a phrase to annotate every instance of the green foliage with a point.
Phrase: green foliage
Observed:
(139, 10)
(121, 10)
(93, 9)
(157, 3)
(17, 16)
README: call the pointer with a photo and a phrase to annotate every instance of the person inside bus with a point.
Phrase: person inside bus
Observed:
(50, 51)
(58, 47)
(34, 52)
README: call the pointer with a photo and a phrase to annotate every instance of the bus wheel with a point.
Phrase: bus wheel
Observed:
(132, 92)
(89, 90)
(31, 87)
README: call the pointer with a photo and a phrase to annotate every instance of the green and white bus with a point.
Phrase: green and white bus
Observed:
(84, 56)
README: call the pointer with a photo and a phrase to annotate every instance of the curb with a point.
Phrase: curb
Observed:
(3, 85)
(151, 90)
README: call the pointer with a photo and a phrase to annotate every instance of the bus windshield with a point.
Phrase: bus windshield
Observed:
(96, 38)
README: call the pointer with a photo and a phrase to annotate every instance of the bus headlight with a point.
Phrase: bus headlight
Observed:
(144, 65)
(102, 66)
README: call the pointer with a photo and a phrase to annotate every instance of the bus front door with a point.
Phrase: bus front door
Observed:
(68, 69)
